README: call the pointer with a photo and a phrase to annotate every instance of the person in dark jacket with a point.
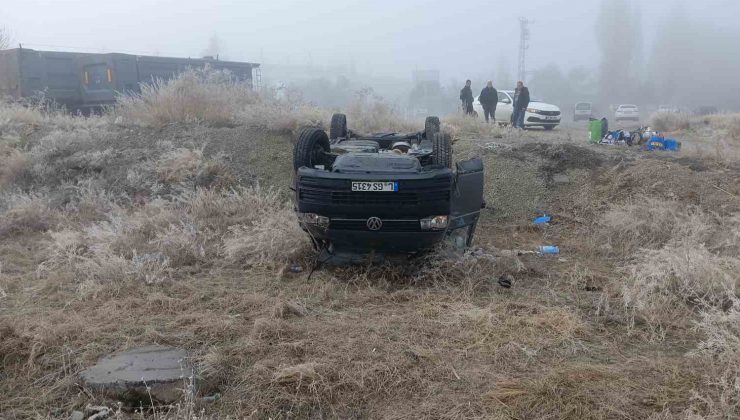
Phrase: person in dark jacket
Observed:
(489, 100)
(521, 102)
(466, 96)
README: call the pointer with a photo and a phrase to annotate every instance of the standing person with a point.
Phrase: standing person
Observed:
(489, 100)
(466, 96)
(521, 102)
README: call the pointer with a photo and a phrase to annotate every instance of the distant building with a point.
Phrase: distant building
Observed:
(85, 80)
(426, 96)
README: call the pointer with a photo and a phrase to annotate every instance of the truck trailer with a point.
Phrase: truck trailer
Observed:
(82, 81)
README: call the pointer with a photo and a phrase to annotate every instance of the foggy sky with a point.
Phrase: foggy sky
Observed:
(381, 37)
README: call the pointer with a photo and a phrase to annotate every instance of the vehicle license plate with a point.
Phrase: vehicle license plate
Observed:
(375, 186)
(551, 118)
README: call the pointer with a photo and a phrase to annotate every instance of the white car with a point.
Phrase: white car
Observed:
(627, 112)
(539, 114)
(582, 111)
(668, 109)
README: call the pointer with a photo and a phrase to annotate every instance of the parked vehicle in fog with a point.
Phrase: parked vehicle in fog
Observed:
(668, 109)
(582, 111)
(627, 112)
(538, 114)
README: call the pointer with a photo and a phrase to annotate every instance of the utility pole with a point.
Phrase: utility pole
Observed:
(523, 46)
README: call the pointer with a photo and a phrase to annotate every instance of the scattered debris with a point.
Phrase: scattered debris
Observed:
(511, 252)
(296, 268)
(142, 375)
(542, 220)
(547, 249)
(661, 143)
(620, 137)
(505, 281)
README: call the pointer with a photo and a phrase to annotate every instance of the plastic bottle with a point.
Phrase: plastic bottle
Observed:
(547, 249)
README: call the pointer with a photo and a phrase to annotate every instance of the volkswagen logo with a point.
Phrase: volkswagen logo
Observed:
(374, 223)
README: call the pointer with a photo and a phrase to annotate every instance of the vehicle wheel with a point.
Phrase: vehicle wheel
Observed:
(442, 150)
(549, 127)
(431, 127)
(310, 149)
(338, 127)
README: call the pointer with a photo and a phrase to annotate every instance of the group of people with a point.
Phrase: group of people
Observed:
(489, 101)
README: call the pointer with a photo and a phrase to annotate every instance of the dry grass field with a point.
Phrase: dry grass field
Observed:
(167, 221)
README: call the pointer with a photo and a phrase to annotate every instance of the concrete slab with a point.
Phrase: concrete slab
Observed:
(126, 375)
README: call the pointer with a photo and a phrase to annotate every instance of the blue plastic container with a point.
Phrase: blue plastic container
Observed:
(660, 143)
(546, 249)
(671, 144)
(656, 143)
(542, 220)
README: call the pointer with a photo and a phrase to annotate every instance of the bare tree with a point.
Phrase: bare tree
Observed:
(4, 38)
(214, 47)
(618, 35)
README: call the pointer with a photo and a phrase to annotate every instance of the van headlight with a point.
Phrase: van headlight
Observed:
(313, 219)
(434, 223)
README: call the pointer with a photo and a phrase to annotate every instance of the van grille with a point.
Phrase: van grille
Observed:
(388, 225)
(338, 192)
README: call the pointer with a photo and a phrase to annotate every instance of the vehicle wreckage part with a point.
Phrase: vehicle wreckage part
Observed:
(431, 127)
(356, 146)
(467, 196)
(312, 149)
(442, 150)
(313, 219)
(401, 146)
(376, 163)
(338, 128)
(434, 223)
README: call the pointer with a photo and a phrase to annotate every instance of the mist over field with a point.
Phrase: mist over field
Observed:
(188, 235)
(613, 51)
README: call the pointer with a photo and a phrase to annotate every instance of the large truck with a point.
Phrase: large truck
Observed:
(81, 81)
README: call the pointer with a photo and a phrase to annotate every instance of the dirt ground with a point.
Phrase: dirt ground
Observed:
(437, 339)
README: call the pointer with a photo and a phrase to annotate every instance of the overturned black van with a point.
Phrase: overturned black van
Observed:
(384, 193)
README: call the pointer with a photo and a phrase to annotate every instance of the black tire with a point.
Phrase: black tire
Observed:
(338, 127)
(431, 127)
(442, 150)
(310, 148)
